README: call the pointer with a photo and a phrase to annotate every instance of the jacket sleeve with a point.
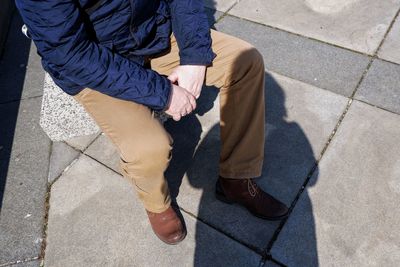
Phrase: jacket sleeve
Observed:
(58, 30)
(192, 32)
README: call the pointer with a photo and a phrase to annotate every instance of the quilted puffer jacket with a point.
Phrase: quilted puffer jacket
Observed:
(102, 44)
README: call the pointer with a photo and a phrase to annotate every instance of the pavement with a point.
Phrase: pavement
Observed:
(332, 154)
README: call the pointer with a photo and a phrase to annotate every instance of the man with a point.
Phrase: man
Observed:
(119, 59)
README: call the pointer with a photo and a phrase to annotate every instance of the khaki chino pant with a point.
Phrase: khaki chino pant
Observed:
(145, 146)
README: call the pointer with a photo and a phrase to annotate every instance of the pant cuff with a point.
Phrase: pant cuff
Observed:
(157, 208)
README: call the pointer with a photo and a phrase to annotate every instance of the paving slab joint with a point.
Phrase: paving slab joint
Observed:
(278, 262)
(387, 33)
(67, 167)
(309, 175)
(372, 105)
(268, 257)
(47, 206)
(46, 219)
(332, 135)
(19, 261)
(226, 12)
(300, 35)
(249, 246)
(91, 142)
(91, 157)
(375, 55)
(293, 204)
(388, 61)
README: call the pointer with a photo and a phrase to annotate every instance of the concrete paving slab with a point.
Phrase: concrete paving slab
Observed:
(62, 117)
(300, 119)
(390, 49)
(347, 215)
(33, 263)
(34, 78)
(313, 62)
(381, 86)
(221, 5)
(21, 73)
(347, 23)
(61, 156)
(81, 142)
(95, 219)
(104, 151)
(24, 158)
(207, 109)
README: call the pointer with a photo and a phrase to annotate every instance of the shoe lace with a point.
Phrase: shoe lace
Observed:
(252, 187)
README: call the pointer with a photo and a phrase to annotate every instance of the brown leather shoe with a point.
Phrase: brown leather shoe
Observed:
(247, 193)
(167, 226)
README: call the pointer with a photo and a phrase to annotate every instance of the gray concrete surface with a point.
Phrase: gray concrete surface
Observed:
(347, 215)
(21, 73)
(390, 49)
(355, 24)
(24, 150)
(300, 119)
(26, 165)
(381, 86)
(30, 72)
(93, 212)
(61, 156)
(213, 15)
(30, 263)
(81, 142)
(103, 150)
(220, 5)
(313, 62)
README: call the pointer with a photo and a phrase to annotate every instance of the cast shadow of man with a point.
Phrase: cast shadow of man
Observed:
(12, 77)
(288, 158)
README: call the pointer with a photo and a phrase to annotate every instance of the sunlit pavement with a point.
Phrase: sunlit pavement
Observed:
(332, 153)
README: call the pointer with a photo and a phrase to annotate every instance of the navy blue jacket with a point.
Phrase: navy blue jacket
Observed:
(101, 44)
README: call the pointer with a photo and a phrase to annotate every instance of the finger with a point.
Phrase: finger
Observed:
(189, 109)
(185, 110)
(192, 101)
(173, 77)
(176, 117)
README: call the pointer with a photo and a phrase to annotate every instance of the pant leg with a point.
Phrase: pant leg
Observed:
(238, 70)
(143, 144)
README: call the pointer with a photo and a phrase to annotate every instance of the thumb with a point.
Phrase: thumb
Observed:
(173, 77)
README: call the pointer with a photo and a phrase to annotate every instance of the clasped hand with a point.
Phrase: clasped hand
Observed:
(187, 81)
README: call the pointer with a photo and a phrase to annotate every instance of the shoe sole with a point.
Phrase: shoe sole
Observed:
(175, 243)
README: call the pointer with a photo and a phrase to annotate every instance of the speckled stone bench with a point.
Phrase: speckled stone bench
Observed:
(61, 116)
